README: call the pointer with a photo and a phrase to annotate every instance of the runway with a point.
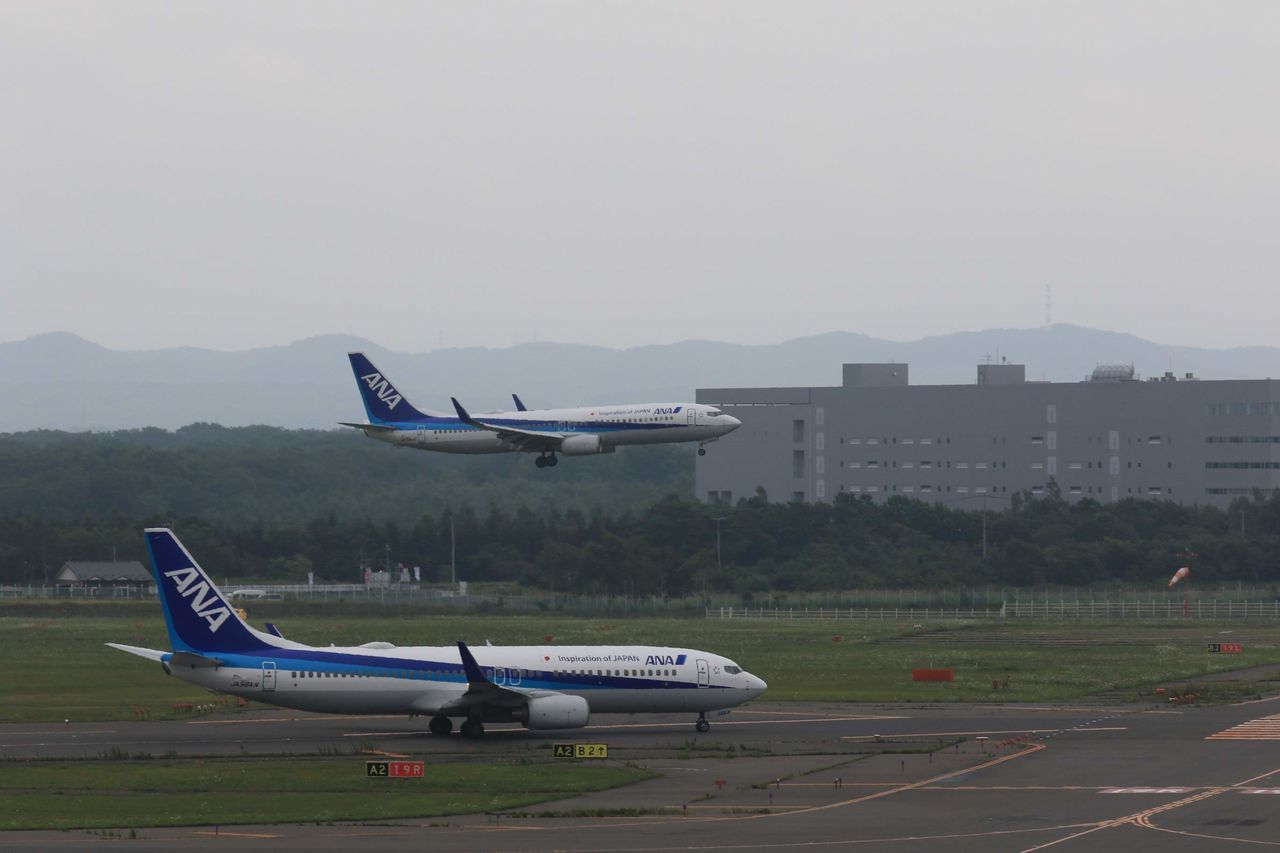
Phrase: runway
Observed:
(1044, 778)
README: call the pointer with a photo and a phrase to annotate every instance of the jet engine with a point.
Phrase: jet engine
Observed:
(554, 712)
(584, 445)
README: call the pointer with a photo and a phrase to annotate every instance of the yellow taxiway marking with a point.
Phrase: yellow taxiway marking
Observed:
(890, 735)
(295, 719)
(1266, 728)
(65, 732)
(1143, 818)
(723, 722)
(838, 716)
(233, 834)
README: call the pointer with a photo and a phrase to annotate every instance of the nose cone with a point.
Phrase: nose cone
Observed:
(730, 423)
(755, 685)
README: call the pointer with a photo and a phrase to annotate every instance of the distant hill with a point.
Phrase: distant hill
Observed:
(61, 381)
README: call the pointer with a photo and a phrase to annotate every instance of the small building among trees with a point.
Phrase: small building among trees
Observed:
(130, 575)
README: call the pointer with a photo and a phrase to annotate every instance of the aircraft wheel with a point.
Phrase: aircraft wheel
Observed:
(703, 726)
(552, 461)
(472, 728)
(541, 462)
(702, 451)
(441, 725)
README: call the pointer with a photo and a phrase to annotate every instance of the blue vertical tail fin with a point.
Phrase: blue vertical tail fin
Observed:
(198, 615)
(383, 403)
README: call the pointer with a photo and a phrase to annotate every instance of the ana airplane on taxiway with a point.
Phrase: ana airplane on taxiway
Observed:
(542, 687)
(581, 431)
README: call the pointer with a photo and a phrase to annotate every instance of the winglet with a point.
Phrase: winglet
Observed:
(520, 406)
(462, 413)
(475, 675)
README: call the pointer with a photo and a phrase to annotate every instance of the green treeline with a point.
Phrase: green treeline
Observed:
(270, 476)
(272, 504)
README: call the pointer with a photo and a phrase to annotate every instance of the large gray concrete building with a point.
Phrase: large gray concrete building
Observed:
(1109, 437)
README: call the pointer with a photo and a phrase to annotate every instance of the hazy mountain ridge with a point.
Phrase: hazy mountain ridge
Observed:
(61, 381)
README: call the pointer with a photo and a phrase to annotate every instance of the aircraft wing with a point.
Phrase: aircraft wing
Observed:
(482, 691)
(523, 438)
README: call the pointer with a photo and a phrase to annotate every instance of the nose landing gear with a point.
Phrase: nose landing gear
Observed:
(702, 725)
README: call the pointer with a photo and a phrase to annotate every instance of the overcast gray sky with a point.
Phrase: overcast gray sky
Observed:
(470, 173)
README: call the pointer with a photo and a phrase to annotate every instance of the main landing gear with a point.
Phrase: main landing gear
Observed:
(702, 725)
(546, 460)
(472, 728)
(441, 725)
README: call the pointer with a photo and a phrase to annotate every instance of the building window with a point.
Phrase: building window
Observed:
(820, 489)
(797, 430)
(798, 497)
(819, 465)
(819, 441)
(1037, 439)
(1051, 413)
(820, 416)
(797, 463)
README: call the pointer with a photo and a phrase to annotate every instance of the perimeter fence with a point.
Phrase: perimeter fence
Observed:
(1212, 610)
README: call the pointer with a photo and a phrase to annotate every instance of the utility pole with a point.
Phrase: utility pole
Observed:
(453, 555)
(719, 565)
(984, 527)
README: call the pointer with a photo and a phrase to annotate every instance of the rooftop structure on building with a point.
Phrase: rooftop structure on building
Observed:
(103, 573)
(1110, 437)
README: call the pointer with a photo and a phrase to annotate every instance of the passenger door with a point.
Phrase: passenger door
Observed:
(704, 673)
(268, 675)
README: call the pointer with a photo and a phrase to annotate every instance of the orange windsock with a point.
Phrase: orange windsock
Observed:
(1179, 575)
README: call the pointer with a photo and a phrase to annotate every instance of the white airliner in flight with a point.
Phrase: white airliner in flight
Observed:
(581, 431)
(542, 687)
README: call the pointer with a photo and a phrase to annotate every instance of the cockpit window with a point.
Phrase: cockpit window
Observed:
(733, 670)
(712, 413)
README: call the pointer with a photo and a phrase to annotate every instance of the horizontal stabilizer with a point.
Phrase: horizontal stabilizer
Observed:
(369, 427)
(194, 660)
(149, 654)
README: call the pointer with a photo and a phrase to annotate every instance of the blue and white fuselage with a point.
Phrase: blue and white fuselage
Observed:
(542, 687)
(581, 431)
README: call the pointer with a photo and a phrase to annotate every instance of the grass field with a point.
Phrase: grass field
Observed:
(132, 794)
(62, 670)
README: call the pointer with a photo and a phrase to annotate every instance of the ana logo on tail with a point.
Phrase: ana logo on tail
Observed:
(386, 393)
(202, 597)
